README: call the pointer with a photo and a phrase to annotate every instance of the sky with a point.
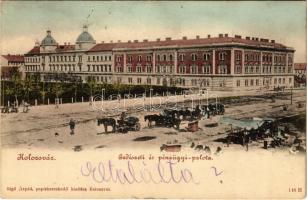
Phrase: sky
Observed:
(23, 23)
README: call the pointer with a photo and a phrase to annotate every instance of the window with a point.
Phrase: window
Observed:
(290, 80)
(164, 57)
(149, 81)
(88, 68)
(206, 56)
(206, 69)
(238, 56)
(193, 69)
(129, 68)
(283, 80)
(158, 57)
(194, 57)
(238, 69)
(139, 80)
(238, 83)
(148, 58)
(171, 57)
(252, 82)
(139, 58)
(109, 58)
(181, 57)
(129, 80)
(118, 58)
(158, 81)
(246, 82)
(149, 69)
(194, 82)
(139, 69)
(222, 56)
(223, 69)
(182, 69)
(257, 82)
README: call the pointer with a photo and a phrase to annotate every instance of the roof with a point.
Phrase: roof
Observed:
(243, 123)
(300, 66)
(35, 50)
(63, 48)
(185, 42)
(48, 40)
(14, 58)
(85, 37)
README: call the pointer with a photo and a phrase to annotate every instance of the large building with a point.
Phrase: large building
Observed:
(11, 64)
(214, 63)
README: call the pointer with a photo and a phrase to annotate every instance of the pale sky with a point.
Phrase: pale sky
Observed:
(22, 23)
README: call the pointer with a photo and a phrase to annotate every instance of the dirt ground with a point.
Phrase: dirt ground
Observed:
(37, 128)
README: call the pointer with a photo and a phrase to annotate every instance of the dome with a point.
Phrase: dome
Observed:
(48, 40)
(85, 37)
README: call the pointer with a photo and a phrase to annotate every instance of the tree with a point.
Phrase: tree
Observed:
(92, 84)
(17, 85)
(27, 87)
(57, 89)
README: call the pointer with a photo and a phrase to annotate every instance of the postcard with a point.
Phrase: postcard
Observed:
(153, 99)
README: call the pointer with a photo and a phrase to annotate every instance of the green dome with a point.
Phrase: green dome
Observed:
(48, 40)
(85, 37)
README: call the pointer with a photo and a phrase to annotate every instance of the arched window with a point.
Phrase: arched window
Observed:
(171, 57)
(194, 57)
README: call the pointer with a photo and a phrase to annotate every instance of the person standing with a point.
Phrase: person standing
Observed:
(72, 125)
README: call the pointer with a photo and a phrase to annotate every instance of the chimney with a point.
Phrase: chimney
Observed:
(135, 41)
(184, 38)
(257, 39)
(238, 36)
(262, 40)
(209, 36)
(118, 41)
(197, 37)
(248, 38)
(145, 40)
(226, 35)
(168, 39)
(129, 41)
(273, 41)
(220, 35)
(253, 38)
(158, 39)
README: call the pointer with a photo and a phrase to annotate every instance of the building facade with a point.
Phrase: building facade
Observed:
(300, 69)
(11, 64)
(214, 63)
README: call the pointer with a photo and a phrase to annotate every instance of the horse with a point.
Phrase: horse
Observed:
(151, 118)
(196, 114)
(184, 113)
(107, 122)
(173, 122)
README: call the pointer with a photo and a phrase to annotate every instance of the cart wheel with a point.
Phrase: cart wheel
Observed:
(137, 126)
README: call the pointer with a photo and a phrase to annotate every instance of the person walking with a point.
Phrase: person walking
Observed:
(72, 125)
